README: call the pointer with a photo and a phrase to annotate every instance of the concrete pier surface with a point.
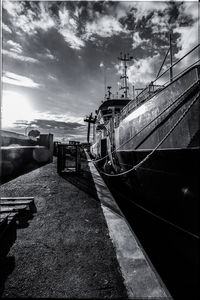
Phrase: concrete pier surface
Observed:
(77, 245)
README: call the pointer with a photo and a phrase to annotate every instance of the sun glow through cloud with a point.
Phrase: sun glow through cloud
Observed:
(15, 107)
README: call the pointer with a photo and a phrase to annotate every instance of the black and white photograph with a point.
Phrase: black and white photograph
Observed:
(100, 149)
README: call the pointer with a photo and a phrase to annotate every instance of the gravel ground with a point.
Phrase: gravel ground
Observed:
(66, 251)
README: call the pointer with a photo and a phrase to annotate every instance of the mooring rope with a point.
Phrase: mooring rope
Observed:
(164, 220)
(159, 144)
(152, 213)
(100, 159)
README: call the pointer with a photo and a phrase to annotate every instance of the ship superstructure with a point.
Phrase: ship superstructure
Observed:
(107, 112)
(143, 121)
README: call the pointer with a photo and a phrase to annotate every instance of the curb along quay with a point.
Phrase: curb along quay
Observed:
(76, 243)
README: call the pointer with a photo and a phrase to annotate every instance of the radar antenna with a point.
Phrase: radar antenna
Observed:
(109, 92)
(125, 58)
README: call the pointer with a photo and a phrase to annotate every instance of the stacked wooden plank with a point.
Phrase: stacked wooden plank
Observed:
(14, 213)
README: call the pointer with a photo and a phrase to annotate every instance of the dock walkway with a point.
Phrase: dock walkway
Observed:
(70, 248)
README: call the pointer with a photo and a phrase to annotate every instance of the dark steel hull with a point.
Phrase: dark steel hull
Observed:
(160, 200)
(161, 195)
(168, 183)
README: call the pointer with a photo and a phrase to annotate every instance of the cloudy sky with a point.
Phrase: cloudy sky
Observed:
(58, 55)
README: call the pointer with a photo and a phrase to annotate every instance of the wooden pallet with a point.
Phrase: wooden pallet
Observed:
(14, 213)
(17, 202)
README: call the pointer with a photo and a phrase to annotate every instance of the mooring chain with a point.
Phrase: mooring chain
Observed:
(98, 160)
(159, 144)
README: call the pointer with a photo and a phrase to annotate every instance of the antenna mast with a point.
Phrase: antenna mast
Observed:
(125, 58)
(109, 92)
(89, 119)
(171, 57)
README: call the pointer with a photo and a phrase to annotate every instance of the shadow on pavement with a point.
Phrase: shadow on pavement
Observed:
(7, 265)
(26, 169)
(85, 182)
(82, 180)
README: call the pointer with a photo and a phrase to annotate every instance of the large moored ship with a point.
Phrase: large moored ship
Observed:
(150, 146)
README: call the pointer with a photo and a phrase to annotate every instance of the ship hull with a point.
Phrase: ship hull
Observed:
(151, 164)
(167, 183)
(158, 151)
(160, 200)
(176, 108)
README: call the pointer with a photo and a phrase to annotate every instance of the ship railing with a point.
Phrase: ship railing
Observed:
(154, 88)
(146, 93)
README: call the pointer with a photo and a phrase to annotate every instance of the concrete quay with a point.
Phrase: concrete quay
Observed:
(78, 244)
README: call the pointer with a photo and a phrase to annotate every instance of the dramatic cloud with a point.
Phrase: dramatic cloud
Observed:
(137, 41)
(50, 56)
(19, 57)
(69, 30)
(187, 38)
(139, 9)
(160, 23)
(28, 20)
(188, 8)
(19, 80)
(12, 8)
(70, 37)
(104, 26)
(186, 41)
(143, 71)
(144, 8)
(47, 124)
(52, 77)
(38, 17)
(45, 20)
(6, 28)
(15, 47)
(188, 32)
(64, 130)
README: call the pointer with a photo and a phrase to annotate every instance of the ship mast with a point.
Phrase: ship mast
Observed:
(125, 58)
(171, 57)
(169, 51)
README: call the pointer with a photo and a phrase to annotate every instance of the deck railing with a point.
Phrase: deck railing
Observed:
(153, 88)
